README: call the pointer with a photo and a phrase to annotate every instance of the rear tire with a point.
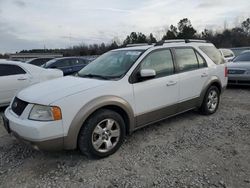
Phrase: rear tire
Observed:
(102, 134)
(211, 101)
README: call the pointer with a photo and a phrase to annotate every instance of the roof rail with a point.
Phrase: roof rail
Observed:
(138, 44)
(160, 43)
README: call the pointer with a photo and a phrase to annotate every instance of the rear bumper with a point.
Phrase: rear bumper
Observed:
(35, 133)
(239, 79)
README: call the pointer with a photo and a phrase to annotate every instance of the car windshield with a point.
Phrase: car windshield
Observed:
(113, 64)
(245, 57)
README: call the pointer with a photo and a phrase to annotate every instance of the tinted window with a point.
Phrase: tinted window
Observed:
(83, 61)
(61, 63)
(7, 70)
(160, 61)
(213, 53)
(243, 57)
(186, 59)
(201, 60)
(38, 62)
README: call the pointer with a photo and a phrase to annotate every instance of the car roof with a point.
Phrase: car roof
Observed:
(168, 43)
(71, 57)
(26, 66)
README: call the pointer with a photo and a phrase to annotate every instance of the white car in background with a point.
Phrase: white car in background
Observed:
(15, 76)
(227, 54)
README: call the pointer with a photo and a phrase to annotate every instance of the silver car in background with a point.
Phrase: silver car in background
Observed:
(239, 70)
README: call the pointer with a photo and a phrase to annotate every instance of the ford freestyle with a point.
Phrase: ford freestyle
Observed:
(121, 91)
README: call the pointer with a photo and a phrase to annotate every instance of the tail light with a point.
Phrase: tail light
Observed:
(226, 71)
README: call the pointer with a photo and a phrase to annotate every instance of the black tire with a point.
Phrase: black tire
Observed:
(86, 135)
(205, 109)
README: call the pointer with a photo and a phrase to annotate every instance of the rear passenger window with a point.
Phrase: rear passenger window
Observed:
(161, 61)
(62, 63)
(186, 59)
(83, 61)
(201, 60)
(213, 53)
(8, 70)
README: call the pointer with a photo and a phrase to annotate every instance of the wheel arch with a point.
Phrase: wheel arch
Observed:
(115, 103)
(214, 80)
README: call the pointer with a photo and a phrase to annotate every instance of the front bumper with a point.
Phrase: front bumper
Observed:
(41, 135)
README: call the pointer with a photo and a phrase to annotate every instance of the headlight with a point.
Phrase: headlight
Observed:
(45, 113)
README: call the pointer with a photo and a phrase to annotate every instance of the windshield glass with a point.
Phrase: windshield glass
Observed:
(113, 64)
(245, 57)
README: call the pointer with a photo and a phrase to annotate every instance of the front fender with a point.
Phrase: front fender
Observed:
(70, 141)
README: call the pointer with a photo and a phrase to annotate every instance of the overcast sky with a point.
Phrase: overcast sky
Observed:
(27, 24)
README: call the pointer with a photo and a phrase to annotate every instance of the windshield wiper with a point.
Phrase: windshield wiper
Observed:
(95, 76)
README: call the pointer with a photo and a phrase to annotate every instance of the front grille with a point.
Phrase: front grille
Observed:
(18, 106)
(231, 71)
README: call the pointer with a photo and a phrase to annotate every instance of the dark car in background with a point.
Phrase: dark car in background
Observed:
(239, 70)
(38, 61)
(69, 65)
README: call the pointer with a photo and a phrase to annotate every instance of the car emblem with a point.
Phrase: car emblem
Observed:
(14, 105)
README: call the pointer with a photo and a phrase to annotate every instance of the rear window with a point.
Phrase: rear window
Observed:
(213, 53)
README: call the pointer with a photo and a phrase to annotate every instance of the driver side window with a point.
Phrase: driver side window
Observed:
(161, 61)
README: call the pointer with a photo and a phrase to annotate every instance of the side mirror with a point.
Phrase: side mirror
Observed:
(147, 73)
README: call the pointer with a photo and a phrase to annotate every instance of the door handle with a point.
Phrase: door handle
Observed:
(204, 75)
(171, 83)
(22, 79)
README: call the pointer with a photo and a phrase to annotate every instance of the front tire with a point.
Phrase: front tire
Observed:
(211, 101)
(102, 134)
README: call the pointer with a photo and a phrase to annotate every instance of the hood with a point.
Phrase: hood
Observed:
(239, 65)
(50, 91)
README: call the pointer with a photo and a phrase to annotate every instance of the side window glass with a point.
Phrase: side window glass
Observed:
(82, 61)
(186, 59)
(160, 61)
(62, 63)
(8, 70)
(213, 53)
(74, 62)
(202, 62)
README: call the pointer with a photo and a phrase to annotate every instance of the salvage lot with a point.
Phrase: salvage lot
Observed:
(187, 150)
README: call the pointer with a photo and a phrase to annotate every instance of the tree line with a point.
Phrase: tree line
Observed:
(235, 37)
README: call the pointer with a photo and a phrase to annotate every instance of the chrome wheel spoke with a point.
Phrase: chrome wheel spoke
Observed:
(109, 124)
(115, 133)
(108, 144)
(98, 142)
(98, 130)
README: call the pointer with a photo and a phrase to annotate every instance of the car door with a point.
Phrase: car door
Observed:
(156, 98)
(193, 73)
(64, 65)
(77, 64)
(12, 79)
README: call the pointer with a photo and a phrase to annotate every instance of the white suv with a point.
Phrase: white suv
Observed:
(121, 91)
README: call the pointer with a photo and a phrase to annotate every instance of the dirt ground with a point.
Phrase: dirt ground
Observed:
(189, 150)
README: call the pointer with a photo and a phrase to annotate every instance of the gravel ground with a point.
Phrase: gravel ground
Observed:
(189, 150)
